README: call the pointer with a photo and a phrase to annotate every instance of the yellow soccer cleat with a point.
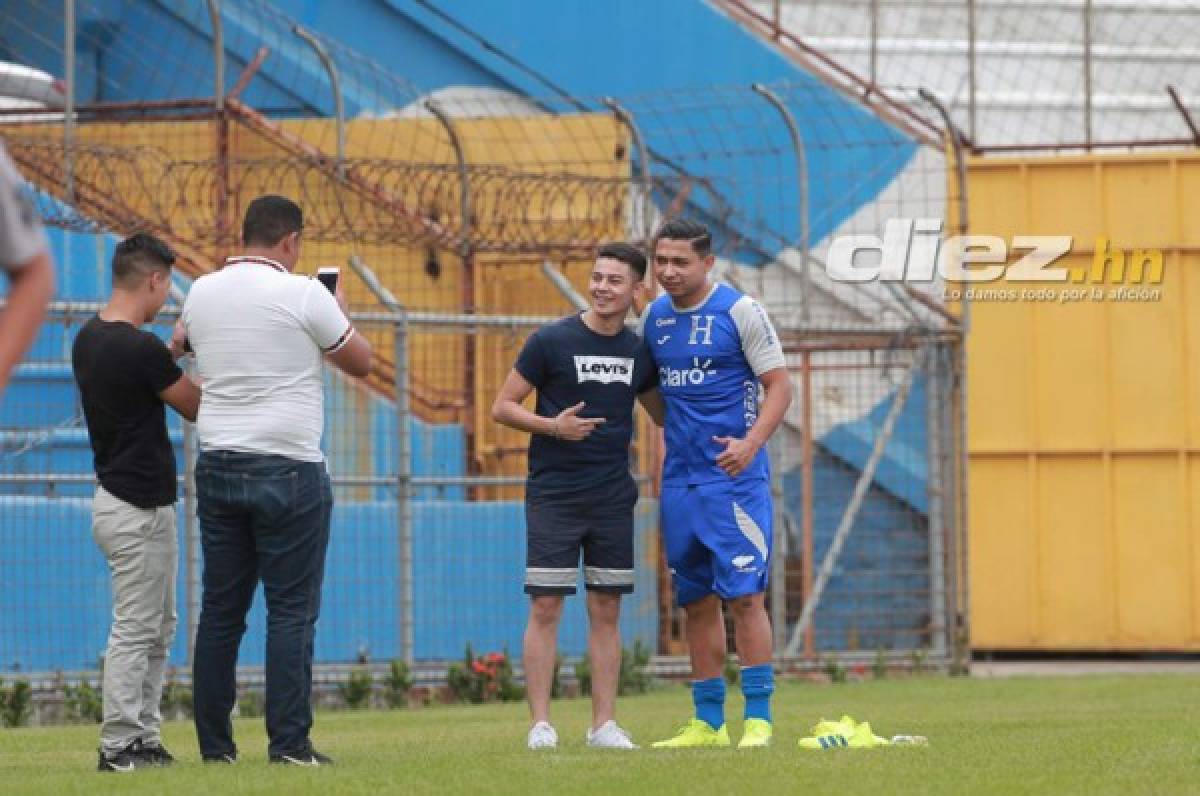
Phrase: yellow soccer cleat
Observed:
(828, 734)
(694, 735)
(755, 733)
(863, 738)
(846, 733)
(826, 741)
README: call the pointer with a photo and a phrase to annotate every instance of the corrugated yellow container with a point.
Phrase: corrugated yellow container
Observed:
(1084, 412)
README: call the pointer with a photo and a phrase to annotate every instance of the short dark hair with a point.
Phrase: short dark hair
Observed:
(137, 256)
(627, 253)
(683, 229)
(269, 219)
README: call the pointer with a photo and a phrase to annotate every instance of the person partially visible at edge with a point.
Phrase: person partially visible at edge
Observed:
(726, 388)
(25, 257)
(125, 376)
(260, 335)
(587, 370)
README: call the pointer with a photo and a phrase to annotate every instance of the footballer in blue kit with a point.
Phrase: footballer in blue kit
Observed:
(715, 351)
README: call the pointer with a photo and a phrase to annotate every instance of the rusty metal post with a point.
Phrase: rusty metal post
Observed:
(224, 222)
(464, 176)
(214, 14)
(936, 481)
(806, 488)
(801, 186)
(191, 536)
(404, 479)
(960, 642)
(339, 109)
(647, 185)
(467, 255)
(954, 135)
(69, 107)
(957, 537)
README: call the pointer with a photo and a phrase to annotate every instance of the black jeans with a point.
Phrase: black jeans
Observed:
(260, 517)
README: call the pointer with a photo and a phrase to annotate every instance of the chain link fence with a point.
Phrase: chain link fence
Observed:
(461, 222)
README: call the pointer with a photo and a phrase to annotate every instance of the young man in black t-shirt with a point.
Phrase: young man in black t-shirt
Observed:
(587, 370)
(125, 375)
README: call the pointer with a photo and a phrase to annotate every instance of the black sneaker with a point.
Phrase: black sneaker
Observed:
(157, 754)
(225, 758)
(304, 757)
(125, 761)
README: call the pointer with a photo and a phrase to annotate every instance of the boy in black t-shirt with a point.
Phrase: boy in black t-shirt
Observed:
(587, 370)
(125, 375)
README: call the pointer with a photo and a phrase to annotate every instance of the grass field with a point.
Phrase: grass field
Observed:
(1093, 735)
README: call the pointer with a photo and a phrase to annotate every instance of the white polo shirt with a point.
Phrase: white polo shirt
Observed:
(20, 231)
(259, 333)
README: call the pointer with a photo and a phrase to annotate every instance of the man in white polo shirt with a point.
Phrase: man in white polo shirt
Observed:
(264, 497)
(26, 260)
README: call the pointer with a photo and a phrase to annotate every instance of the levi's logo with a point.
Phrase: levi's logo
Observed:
(604, 369)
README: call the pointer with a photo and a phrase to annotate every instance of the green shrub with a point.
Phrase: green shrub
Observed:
(16, 703)
(83, 702)
(356, 691)
(397, 684)
(835, 671)
(176, 699)
(251, 704)
(880, 667)
(633, 677)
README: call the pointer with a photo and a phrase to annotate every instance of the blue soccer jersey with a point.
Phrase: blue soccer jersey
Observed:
(717, 531)
(709, 358)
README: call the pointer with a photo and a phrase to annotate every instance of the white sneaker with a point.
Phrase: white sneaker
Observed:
(610, 736)
(542, 736)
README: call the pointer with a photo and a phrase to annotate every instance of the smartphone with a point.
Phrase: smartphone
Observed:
(328, 276)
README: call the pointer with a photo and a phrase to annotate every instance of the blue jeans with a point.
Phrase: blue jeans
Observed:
(262, 517)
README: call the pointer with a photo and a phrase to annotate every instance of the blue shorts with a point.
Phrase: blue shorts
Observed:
(717, 538)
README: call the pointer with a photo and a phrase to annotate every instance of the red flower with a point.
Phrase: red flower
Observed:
(478, 667)
(495, 657)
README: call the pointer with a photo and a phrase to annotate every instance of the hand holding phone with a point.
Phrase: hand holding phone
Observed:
(179, 344)
(328, 276)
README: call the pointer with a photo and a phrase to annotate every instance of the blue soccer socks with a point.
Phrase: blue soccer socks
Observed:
(758, 683)
(709, 699)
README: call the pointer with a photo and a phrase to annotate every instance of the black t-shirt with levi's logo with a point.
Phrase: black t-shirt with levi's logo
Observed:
(567, 362)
